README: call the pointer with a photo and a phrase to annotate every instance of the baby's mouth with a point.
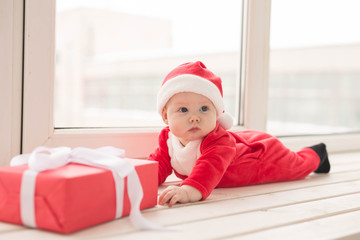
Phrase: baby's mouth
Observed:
(194, 129)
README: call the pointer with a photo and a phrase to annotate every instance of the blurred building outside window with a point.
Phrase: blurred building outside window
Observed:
(314, 83)
(111, 56)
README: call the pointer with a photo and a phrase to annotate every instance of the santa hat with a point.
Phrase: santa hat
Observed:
(195, 77)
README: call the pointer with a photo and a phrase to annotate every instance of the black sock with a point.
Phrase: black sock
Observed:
(324, 166)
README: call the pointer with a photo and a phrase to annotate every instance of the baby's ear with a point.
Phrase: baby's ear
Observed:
(164, 116)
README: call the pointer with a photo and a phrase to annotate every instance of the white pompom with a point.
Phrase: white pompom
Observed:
(225, 120)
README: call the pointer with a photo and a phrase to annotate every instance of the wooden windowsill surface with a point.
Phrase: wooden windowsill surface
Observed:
(322, 206)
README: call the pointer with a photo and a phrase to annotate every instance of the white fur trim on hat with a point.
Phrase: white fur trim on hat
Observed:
(225, 120)
(190, 83)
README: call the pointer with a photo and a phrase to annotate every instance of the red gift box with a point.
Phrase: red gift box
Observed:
(73, 196)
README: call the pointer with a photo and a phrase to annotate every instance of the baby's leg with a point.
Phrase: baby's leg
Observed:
(281, 164)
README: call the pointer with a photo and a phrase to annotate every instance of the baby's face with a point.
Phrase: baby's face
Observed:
(190, 116)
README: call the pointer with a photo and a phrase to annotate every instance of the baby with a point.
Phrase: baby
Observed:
(200, 150)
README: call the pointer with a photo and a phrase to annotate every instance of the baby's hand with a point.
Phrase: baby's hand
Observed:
(183, 194)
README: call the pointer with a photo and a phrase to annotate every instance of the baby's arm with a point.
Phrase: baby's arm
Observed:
(183, 194)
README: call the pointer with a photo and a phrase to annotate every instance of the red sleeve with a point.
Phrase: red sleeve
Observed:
(217, 151)
(161, 155)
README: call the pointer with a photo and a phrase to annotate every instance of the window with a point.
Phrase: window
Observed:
(314, 82)
(111, 56)
(43, 126)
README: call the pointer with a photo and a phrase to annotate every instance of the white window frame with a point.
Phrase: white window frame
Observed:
(39, 55)
(11, 44)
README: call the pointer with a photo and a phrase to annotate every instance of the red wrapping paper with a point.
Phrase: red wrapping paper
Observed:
(74, 196)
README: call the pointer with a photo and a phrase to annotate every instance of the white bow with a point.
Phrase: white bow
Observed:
(44, 158)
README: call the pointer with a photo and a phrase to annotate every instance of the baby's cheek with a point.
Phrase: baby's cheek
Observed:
(176, 129)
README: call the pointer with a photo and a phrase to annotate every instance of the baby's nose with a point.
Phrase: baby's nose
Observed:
(194, 118)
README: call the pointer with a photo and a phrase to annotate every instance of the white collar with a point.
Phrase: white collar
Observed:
(183, 158)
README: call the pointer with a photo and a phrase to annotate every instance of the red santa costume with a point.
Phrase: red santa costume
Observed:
(223, 158)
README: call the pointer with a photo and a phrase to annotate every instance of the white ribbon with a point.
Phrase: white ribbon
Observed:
(43, 158)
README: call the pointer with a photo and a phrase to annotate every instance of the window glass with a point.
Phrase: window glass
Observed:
(314, 84)
(112, 55)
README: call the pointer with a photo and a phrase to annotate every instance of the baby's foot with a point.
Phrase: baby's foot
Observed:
(324, 166)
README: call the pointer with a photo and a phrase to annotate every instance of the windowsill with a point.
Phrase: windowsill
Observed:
(286, 207)
(148, 137)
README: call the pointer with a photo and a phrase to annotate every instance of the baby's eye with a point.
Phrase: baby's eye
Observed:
(204, 108)
(183, 109)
